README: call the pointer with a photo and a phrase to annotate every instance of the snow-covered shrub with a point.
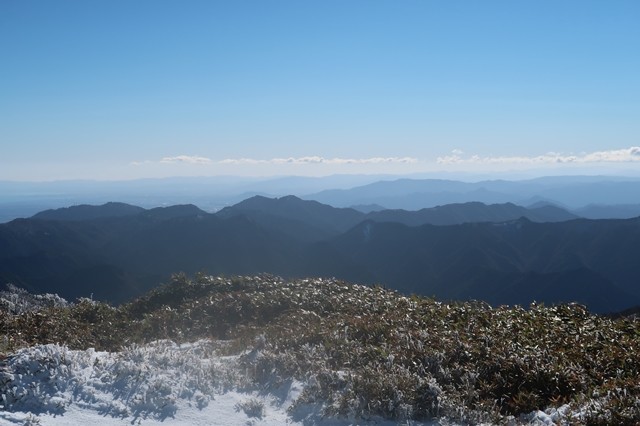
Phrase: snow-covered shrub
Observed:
(77, 325)
(251, 407)
(140, 381)
(15, 300)
(362, 352)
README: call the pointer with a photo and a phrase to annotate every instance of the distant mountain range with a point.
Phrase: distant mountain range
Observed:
(325, 221)
(584, 196)
(500, 253)
(572, 192)
(88, 212)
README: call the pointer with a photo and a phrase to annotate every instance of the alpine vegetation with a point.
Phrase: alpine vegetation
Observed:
(323, 349)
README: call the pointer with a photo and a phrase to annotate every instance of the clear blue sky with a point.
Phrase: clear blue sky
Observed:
(123, 89)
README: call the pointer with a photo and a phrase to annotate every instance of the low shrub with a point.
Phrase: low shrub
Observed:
(367, 352)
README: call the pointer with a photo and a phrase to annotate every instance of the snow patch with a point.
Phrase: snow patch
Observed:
(159, 383)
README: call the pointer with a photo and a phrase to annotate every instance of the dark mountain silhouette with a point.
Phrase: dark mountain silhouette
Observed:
(55, 256)
(310, 220)
(116, 258)
(601, 211)
(583, 260)
(172, 212)
(301, 219)
(481, 256)
(537, 203)
(631, 313)
(234, 245)
(88, 212)
(451, 214)
(368, 208)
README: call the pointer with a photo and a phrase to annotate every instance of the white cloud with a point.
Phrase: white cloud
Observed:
(321, 160)
(616, 156)
(140, 163)
(625, 155)
(241, 161)
(189, 159)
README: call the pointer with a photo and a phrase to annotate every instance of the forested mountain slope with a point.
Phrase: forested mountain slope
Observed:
(501, 261)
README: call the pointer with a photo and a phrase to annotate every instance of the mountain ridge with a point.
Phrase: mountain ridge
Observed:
(505, 261)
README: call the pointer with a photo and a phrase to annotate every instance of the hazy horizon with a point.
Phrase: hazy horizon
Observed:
(456, 175)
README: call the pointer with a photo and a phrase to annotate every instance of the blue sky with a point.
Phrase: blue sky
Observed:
(127, 89)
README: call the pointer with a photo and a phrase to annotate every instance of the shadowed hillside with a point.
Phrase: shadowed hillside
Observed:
(113, 253)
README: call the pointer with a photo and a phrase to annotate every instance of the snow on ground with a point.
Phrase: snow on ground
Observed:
(161, 383)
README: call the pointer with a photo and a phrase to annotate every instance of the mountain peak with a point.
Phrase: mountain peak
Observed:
(84, 212)
(289, 198)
